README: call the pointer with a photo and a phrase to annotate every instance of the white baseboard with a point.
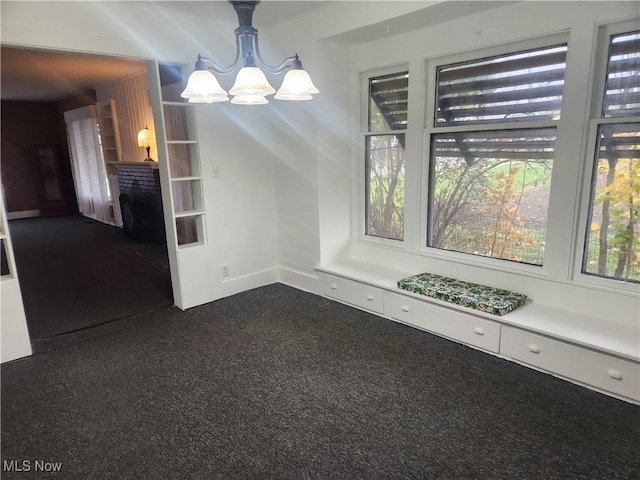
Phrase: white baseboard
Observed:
(300, 280)
(23, 214)
(248, 282)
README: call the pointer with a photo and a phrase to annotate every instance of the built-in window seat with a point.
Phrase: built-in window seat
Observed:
(577, 347)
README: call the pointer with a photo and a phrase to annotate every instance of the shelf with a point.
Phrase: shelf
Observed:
(186, 246)
(178, 104)
(188, 213)
(189, 229)
(185, 179)
(109, 130)
(182, 142)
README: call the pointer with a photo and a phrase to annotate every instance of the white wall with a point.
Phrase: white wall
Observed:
(313, 166)
(241, 202)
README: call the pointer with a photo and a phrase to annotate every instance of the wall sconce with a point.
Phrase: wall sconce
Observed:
(251, 86)
(146, 139)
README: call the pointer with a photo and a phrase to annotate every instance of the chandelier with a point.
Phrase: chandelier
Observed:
(251, 86)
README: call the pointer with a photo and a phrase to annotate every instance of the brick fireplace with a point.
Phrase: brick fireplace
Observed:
(141, 201)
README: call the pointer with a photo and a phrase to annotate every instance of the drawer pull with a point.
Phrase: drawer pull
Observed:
(478, 331)
(370, 297)
(615, 374)
(404, 308)
(333, 286)
(533, 348)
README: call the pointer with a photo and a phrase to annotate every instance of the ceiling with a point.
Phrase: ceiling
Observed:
(39, 75)
(43, 75)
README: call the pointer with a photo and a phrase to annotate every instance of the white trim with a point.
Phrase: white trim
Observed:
(297, 279)
(250, 281)
(23, 214)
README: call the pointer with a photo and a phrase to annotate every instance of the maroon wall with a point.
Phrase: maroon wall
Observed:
(24, 126)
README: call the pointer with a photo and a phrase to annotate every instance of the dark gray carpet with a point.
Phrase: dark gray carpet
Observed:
(76, 273)
(275, 383)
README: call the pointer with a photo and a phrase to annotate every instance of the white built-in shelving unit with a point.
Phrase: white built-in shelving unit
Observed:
(109, 131)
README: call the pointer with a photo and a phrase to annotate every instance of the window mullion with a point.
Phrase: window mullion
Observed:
(488, 127)
(609, 121)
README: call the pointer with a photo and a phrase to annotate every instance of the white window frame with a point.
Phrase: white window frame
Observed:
(361, 174)
(569, 198)
(430, 69)
(592, 123)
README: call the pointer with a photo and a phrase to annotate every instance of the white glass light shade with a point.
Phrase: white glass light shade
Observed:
(145, 138)
(291, 96)
(209, 99)
(297, 85)
(249, 100)
(203, 87)
(251, 81)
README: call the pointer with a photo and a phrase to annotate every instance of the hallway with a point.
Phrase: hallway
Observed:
(76, 273)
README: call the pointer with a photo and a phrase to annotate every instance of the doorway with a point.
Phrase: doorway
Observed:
(75, 272)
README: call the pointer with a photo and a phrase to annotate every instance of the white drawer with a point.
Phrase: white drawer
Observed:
(349, 291)
(612, 374)
(465, 328)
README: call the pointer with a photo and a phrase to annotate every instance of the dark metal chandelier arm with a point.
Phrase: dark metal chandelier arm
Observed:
(206, 63)
(286, 63)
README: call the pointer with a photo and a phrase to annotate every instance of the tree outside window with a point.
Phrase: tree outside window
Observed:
(491, 170)
(612, 245)
(385, 158)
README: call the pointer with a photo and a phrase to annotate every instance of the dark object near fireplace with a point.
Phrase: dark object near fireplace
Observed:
(138, 219)
(142, 212)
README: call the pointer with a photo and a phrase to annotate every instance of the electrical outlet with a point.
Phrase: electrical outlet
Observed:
(225, 270)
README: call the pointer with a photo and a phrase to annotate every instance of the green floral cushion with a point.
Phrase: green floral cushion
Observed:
(472, 295)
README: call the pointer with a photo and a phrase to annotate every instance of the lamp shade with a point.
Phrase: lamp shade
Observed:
(251, 81)
(145, 138)
(297, 85)
(203, 87)
(292, 96)
(249, 100)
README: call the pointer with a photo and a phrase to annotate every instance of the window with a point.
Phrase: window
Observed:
(384, 154)
(612, 246)
(492, 151)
